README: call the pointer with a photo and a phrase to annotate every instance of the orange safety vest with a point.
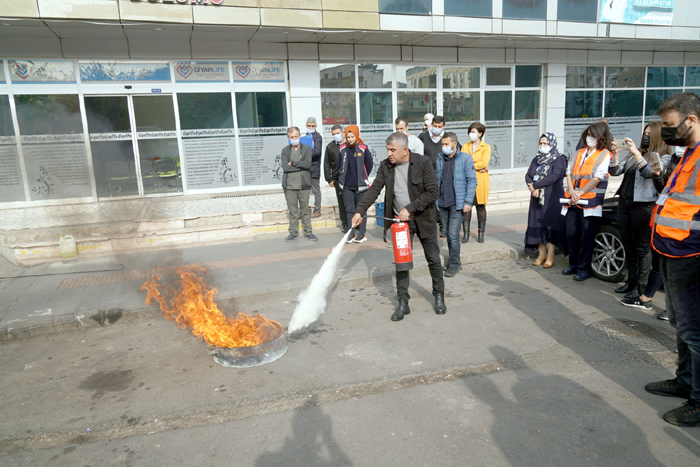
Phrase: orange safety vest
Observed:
(675, 221)
(581, 174)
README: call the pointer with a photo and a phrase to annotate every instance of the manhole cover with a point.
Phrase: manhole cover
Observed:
(631, 335)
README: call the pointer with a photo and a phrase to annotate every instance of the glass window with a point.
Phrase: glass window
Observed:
(109, 114)
(655, 97)
(525, 9)
(461, 106)
(474, 8)
(55, 114)
(584, 76)
(261, 109)
(498, 105)
(624, 77)
(460, 77)
(338, 107)
(374, 76)
(664, 77)
(498, 76)
(375, 107)
(414, 105)
(584, 11)
(624, 103)
(584, 104)
(205, 111)
(416, 77)
(154, 113)
(11, 183)
(413, 7)
(692, 76)
(336, 75)
(527, 105)
(528, 76)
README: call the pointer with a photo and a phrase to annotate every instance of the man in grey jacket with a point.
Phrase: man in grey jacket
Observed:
(295, 160)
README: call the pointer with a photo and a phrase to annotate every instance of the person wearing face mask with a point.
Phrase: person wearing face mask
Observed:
(330, 171)
(432, 139)
(545, 179)
(587, 179)
(295, 160)
(315, 169)
(354, 166)
(481, 154)
(676, 237)
(456, 179)
(414, 143)
(427, 122)
(637, 197)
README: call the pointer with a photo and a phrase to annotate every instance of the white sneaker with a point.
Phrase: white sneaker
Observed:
(350, 240)
(362, 240)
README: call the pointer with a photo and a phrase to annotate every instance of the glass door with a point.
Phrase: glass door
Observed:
(134, 145)
(111, 141)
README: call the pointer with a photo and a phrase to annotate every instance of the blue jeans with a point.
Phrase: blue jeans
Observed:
(681, 278)
(452, 222)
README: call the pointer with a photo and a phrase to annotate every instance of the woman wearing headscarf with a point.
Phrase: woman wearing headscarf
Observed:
(638, 196)
(546, 229)
(354, 166)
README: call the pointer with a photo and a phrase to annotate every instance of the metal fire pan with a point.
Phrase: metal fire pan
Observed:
(246, 357)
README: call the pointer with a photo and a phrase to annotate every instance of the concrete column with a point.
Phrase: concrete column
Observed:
(554, 99)
(304, 91)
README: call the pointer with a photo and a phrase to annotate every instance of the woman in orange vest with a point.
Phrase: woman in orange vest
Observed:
(587, 179)
(676, 237)
(481, 153)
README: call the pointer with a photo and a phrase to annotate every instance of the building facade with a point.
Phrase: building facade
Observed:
(120, 99)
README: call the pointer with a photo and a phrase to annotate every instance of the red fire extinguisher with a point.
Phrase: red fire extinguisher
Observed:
(401, 241)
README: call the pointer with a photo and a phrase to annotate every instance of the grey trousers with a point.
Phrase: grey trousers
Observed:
(298, 205)
(316, 190)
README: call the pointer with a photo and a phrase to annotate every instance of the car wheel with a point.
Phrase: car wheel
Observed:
(608, 262)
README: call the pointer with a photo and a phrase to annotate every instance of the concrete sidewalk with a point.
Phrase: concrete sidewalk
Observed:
(67, 295)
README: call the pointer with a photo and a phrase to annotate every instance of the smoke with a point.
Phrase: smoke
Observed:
(312, 301)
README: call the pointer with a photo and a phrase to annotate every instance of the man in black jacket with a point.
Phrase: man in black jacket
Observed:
(411, 192)
(315, 169)
(330, 171)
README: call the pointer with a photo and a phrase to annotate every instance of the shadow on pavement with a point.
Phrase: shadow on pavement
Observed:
(311, 443)
(545, 419)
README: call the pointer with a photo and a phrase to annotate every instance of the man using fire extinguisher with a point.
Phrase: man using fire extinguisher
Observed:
(411, 192)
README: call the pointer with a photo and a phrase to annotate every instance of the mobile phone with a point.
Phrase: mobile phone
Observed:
(655, 159)
(621, 144)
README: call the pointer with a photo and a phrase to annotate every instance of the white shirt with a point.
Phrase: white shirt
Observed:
(601, 173)
(416, 145)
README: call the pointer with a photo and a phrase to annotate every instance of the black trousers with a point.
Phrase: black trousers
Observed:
(580, 236)
(633, 220)
(341, 205)
(432, 255)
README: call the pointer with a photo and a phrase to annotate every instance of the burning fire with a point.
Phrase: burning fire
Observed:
(190, 303)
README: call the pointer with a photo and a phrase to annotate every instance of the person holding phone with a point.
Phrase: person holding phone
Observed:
(637, 198)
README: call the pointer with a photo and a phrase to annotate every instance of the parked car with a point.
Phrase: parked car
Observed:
(608, 262)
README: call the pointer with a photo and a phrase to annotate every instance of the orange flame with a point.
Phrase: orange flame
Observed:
(190, 303)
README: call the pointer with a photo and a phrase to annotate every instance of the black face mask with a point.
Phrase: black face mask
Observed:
(670, 135)
(645, 142)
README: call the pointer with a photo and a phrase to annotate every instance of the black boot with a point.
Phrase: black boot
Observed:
(440, 307)
(630, 286)
(482, 227)
(401, 310)
(465, 228)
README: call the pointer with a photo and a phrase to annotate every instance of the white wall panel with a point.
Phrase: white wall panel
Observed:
(303, 51)
(435, 54)
(220, 49)
(666, 58)
(377, 52)
(160, 49)
(481, 55)
(467, 25)
(304, 78)
(636, 58)
(45, 47)
(268, 51)
(303, 108)
(95, 48)
(604, 57)
(405, 23)
(336, 52)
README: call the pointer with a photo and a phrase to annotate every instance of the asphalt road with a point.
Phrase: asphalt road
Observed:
(507, 377)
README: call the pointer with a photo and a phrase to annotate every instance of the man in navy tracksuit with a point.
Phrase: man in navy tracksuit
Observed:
(456, 178)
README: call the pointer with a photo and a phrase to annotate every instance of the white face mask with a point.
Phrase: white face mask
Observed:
(591, 142)
(405, 132)
(473, 136)
(545, 149)
(338, 137)
(294, 142)
(447, 150)
(437, 131)
(311, 130)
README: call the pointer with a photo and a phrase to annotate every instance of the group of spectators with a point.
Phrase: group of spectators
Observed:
(658, 215)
